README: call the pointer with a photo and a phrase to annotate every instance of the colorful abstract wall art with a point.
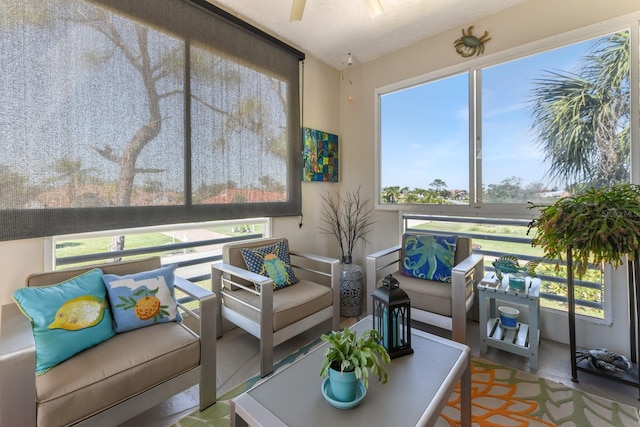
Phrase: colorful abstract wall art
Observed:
(319, 156)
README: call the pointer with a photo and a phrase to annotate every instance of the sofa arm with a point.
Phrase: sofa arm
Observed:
(17, 369)
(207, 318)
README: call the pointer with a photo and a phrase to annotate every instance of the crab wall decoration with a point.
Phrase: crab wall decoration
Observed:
(469, 45)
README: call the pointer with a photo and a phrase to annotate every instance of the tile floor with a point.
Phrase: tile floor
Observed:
(238, 361)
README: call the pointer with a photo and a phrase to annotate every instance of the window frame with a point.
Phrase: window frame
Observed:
(474, 69)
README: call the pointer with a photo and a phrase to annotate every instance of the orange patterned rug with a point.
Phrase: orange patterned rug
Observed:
(501, 396)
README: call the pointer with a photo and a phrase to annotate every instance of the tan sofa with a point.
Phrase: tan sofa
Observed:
(116, 379)
(444, 305)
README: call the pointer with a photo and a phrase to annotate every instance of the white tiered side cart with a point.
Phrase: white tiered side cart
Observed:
(522, 340)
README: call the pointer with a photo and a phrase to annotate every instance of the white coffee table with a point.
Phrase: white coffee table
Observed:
(419, 387)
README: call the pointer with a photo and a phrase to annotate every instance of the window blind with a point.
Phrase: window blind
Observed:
(121, 114)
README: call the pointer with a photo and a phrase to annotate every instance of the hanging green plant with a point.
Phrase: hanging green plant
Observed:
(600, 225)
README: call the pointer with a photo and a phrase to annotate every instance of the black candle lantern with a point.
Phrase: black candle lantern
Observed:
(392, 317)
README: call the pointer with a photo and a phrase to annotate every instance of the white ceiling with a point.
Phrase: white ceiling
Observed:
(330, 29)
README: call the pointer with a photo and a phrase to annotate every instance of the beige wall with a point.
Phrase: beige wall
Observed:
(18, 259)
(527, 23)
(321, 93)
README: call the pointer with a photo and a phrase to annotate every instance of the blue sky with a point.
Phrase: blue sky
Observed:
(425, 128)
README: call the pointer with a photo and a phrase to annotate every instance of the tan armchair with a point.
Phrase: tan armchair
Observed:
(441, 304)
(275, 316)
(115, 380)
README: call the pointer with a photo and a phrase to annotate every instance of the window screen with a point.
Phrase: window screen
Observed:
(120, 114)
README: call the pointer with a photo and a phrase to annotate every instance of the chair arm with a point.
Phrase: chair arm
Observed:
(384, 252)
(242, 273)
(313, 257)
(17, 368)
(373, 269)
(334, 279)
(266, 293)
(472, 261)
(474, 265)
(333, 263)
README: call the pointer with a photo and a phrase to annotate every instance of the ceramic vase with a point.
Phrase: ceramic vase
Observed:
(351, 290)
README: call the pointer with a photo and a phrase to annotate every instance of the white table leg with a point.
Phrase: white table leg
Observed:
(465, 395)
(482, 318)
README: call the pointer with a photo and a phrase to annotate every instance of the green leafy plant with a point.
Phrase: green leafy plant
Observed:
(599, 225)
(346, 353)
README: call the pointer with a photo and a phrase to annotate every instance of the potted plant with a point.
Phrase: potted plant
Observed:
(348, 219)
(599, 226)
(596, 226)
(348, 361)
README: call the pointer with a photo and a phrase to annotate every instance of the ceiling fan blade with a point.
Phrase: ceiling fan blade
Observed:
(374, 7)
(297, 9)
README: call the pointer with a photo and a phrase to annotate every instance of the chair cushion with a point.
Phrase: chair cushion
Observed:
(429, 257)
(142, 299)
(429, 295)
(272, 261)
(290, 304)
(67, 317)
(104, 375)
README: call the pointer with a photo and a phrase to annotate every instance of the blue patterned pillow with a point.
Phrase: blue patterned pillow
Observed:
(143, 299)
(67, 317)
(428, 257)
(272, 261)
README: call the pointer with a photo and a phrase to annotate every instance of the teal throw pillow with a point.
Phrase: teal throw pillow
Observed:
(143, 299)
(67, 317)
(272, 261)
(428, 257)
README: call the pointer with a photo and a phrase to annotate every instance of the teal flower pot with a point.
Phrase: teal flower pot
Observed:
(343, 385)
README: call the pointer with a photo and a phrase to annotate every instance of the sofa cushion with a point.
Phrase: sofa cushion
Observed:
(428, 257)
(67, 317)
(142, 299)
(121, 367)
(290, 304)
(272, 261)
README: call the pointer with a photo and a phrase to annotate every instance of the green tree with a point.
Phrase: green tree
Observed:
(582, 118)
(439, 186)
(508, 191)
(269, 184)
(391, 194)
(13, 189)
(73, 172)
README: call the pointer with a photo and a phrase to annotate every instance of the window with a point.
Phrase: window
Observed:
(543, 126)
(126, 114)
(535, 128)
(422, 132)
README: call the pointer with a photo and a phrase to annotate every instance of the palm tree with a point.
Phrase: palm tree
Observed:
(391, 194)
(582, 119)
